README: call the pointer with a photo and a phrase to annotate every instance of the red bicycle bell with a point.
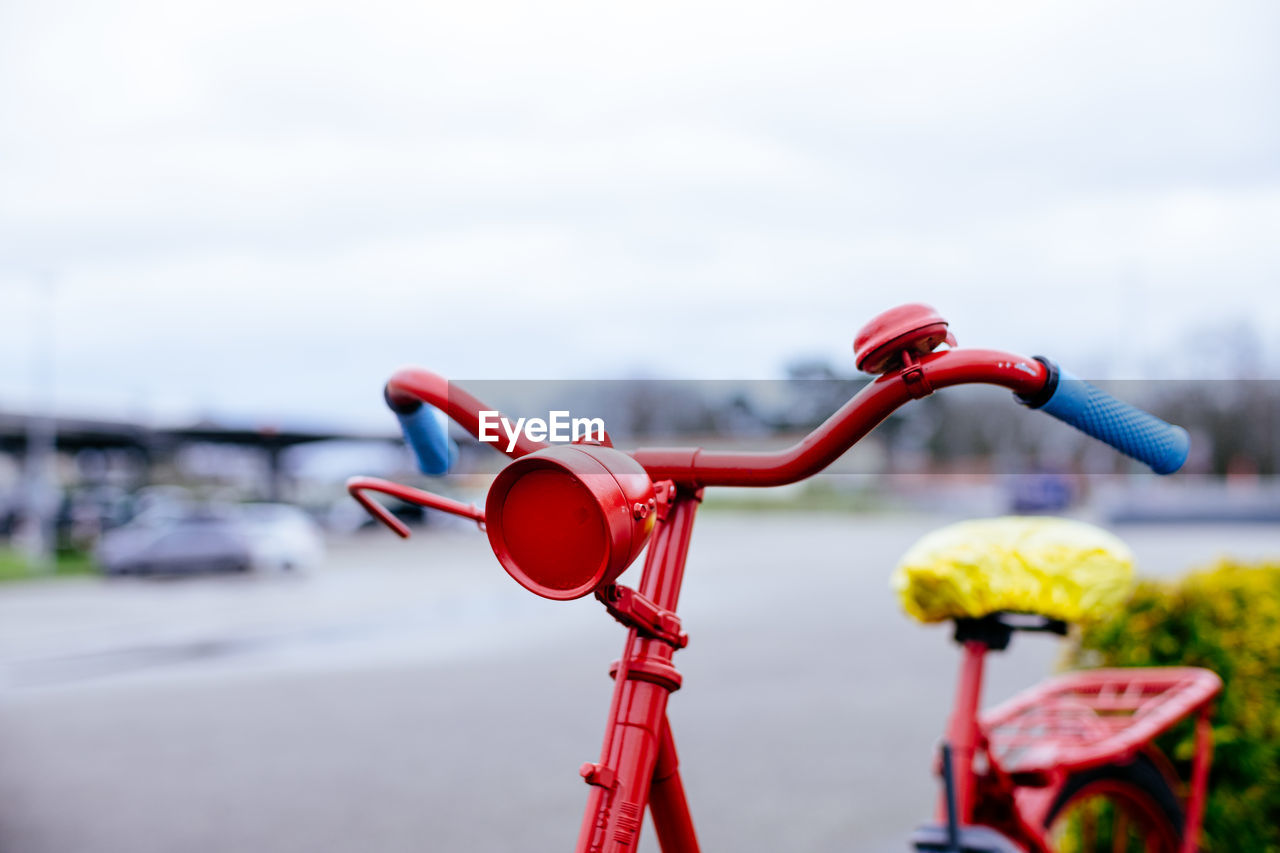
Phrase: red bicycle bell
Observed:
(567, 519)
(914, 328)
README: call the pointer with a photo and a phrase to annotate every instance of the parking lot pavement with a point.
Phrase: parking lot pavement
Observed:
(409, 696)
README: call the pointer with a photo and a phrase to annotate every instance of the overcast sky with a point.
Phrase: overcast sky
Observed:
(258, 209)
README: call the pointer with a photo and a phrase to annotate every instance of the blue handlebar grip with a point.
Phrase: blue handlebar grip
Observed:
(425, 433)
(1133, 432)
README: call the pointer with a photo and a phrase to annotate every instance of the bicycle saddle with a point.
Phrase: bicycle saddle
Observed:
(1053, 567)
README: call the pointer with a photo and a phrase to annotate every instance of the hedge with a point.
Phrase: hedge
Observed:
(1227, 619)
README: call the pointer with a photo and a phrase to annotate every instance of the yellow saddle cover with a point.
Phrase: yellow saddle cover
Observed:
(1058, 568)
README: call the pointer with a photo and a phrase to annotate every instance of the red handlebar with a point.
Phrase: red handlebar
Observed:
(694, 466)
(410, 384)
(850, 423)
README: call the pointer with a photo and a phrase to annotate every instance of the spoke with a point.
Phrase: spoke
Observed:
(1089, 826)
(1120, 832)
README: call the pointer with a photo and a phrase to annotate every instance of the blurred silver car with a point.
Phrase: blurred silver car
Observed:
(281, 537)
(174, 540)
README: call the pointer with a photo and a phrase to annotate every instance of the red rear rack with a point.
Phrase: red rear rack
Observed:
(1081, 719)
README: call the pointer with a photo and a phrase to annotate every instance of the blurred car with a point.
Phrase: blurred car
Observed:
(281, 537)
(1044, 492)
(177, 540)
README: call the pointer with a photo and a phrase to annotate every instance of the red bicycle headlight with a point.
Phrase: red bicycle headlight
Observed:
(567, 519)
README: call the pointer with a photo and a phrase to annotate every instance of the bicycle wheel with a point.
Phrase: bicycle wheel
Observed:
(1116, 808)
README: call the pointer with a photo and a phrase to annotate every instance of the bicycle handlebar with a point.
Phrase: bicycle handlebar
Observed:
(425, 432)
(416, 395)
(849, 424)
(1036, 382)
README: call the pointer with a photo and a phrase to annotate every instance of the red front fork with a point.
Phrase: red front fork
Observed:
(638, 765)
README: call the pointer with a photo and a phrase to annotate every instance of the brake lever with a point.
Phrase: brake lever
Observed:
(357, 486)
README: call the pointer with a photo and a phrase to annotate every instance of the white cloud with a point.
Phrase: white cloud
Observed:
(262, 206)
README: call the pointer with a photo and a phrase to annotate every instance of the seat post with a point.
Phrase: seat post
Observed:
(962, 729)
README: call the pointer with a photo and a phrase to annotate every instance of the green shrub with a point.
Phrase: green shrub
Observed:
(1226, 619)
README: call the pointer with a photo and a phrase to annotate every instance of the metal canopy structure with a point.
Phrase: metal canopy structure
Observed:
(72, 434)
(81, 433)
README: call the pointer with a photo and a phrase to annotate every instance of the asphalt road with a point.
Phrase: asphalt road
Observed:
(410, 697)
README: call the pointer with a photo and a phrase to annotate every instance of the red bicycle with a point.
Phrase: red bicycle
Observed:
(1067, 765)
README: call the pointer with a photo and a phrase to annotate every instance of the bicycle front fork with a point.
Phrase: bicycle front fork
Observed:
(638, 766)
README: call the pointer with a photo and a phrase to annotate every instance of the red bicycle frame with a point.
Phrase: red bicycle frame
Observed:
(638, 767)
